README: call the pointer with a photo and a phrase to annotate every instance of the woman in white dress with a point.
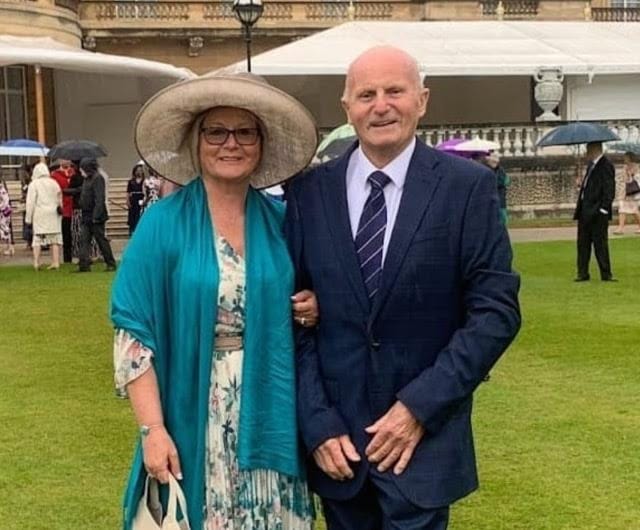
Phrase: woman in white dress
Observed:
(44, 213)
(202, 311)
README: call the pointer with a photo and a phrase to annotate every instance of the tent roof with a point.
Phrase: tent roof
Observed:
(49, 53)
(466, 48)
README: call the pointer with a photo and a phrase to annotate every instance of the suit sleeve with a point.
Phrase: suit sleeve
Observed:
(100, 209)
(491, 319)
(317, 419)
(608, 186)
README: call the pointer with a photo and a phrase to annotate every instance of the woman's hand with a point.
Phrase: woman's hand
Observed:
(160, 455)
(305, 308)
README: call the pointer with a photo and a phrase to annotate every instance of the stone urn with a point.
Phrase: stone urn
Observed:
(548, 92)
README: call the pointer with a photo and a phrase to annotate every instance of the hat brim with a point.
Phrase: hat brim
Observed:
(163, 127)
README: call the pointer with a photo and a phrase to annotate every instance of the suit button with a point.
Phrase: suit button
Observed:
(375, 345)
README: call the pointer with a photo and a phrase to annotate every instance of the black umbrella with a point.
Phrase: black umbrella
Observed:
(577, 133)
(77, 149)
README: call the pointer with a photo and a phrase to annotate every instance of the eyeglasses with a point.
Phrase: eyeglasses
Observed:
(219, 135)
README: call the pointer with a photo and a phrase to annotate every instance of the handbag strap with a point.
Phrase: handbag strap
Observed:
(176, 498)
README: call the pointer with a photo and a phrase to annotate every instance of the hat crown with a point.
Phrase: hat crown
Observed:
(167, 127)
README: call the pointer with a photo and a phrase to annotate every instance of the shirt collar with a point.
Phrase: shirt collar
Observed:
(396, 170)
(594, 162)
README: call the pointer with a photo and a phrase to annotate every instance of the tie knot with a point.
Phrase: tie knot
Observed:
(379, 180)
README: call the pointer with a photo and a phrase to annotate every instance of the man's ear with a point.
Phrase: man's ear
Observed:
(345, 107)
(424, 101)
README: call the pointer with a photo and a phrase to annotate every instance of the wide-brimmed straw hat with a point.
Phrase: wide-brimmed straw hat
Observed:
(167, 126)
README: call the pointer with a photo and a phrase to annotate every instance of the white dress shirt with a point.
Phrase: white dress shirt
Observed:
(358, 188)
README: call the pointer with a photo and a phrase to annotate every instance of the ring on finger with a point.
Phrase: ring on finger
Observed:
(303, 321)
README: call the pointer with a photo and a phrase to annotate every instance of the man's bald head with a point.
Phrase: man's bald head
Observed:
(384, 99)
(373, 57)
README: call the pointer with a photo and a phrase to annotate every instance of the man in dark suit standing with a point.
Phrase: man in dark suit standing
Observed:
(404, 248)
(593, 213)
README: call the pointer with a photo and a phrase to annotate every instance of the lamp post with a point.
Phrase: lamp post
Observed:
(248, 12)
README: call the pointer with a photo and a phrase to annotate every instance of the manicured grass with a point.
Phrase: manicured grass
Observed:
(557, 427)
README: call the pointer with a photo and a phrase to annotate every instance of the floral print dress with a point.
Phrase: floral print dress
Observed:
(257, 499)
(5, 215)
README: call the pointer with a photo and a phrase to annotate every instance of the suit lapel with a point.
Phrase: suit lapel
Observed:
(334, 195)
(420, 184)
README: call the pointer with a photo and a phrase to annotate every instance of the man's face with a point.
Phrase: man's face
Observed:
(384, 102)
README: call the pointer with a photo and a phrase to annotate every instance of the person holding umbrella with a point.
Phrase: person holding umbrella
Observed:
(94, 216)
(596, 191)
(593, 213)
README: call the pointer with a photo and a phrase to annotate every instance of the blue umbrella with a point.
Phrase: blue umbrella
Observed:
(22, 147)
(577, 133)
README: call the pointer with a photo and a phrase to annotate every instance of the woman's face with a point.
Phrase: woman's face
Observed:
(235, 158)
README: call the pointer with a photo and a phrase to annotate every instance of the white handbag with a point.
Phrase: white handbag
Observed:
(149, 515)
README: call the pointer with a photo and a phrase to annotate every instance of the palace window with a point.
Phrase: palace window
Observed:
(13, 103)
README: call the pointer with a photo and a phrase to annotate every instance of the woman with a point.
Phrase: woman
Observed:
(62, 175)
(492, 160)
(135, 196)
(74, 190)
(6, 231)
(204, 342)
(629, 203)
(151, 187)
(44, 213)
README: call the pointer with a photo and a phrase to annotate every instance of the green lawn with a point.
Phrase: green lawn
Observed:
(557, 427)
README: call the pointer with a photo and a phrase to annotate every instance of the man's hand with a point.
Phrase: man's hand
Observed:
(396, 435)
(332, 457)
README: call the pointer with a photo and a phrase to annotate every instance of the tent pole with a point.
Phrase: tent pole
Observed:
(40, 106)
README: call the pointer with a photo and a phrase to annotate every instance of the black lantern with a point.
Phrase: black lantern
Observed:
(248, 12)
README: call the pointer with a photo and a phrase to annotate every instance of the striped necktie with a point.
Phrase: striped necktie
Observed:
(370, 236)
(587, 174)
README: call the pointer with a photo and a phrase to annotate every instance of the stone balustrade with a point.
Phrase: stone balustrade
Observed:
(513, 9)
(615, 14)
(520, 140)
(316, 14)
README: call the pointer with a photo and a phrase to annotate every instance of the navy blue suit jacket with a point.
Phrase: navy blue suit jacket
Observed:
(446, 310)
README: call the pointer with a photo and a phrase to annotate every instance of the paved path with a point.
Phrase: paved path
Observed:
(23, 256)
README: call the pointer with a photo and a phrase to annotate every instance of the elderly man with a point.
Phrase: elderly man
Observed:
(404, 248)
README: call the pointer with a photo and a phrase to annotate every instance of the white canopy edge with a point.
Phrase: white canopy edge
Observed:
(465, 48)
(49, 53)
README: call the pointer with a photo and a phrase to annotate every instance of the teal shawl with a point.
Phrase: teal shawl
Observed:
(165, 295)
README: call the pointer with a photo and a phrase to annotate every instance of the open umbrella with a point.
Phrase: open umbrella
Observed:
(77, 149)
(577, 133)
(22, 147)
(336, 142)
(450, 146)
(476, 145)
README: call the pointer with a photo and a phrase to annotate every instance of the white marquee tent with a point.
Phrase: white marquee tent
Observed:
(466, 48)
(478, 71)
(49, 53)
(97, 95)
